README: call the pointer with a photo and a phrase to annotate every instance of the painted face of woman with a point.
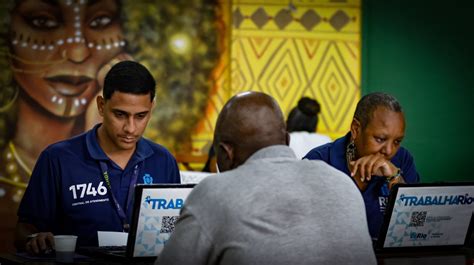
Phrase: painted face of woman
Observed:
(58, 47)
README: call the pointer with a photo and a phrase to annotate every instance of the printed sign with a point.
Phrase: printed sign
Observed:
(158, 214)
(430, 216)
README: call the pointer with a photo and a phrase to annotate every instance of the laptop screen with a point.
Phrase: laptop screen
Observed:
(428, 215)
(156, 209)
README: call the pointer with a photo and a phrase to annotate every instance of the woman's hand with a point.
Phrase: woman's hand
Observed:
(376, 164)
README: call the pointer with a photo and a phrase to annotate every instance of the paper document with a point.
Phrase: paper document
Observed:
(111, 238)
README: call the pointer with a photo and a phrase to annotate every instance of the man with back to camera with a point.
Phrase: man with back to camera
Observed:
(85, 184)
(269, 207)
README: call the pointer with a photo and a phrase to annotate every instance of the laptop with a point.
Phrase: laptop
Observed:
(193, 177)
(156, 209)
(427, 217)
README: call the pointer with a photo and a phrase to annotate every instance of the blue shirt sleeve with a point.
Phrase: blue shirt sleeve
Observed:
(39, 204)
(174, 171)
(312, 155)
(164, 164)
(318, 153)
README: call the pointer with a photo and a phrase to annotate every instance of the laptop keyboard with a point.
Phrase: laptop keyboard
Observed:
(112, 249)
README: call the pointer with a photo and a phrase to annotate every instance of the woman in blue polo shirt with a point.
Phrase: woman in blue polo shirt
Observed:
(371, 154)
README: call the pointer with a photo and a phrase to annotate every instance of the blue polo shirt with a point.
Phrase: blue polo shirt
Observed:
(376, 195)
(67, 193)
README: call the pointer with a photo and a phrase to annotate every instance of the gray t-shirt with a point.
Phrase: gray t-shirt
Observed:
(274, 209)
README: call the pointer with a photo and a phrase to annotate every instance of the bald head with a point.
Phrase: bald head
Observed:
(248, 122)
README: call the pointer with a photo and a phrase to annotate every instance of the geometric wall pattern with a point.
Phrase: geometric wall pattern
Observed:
(290, 49)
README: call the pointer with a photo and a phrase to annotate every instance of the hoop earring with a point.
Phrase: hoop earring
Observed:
(350, 151)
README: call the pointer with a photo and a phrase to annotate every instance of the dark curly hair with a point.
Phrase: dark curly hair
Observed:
(304, 117)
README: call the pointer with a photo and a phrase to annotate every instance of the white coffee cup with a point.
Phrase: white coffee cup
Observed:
(65, 245)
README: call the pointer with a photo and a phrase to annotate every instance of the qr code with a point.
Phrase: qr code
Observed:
(417, 219)
(167, 224)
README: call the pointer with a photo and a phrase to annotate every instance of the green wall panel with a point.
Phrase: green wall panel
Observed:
(422, 53)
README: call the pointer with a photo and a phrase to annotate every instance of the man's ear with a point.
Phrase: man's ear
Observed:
(355, 128)
(225, 156)
(100, 105)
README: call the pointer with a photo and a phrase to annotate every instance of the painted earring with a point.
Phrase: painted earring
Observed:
(10, 92)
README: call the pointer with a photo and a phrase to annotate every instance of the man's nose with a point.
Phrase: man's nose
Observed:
(130, 125)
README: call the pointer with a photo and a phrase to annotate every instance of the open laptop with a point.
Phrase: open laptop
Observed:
(427, 217)
(156, 208)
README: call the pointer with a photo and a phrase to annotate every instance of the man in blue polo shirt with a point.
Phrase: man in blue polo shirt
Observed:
(371, 154)
(85, 184)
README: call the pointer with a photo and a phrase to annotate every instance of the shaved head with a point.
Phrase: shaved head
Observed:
(248, 122)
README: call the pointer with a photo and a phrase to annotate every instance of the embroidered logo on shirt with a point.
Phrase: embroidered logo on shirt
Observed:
(147, 179)
(383, 203)
(383, 200)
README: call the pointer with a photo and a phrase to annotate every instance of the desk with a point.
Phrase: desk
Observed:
(454, 257)
(461, 257)
(11, 259)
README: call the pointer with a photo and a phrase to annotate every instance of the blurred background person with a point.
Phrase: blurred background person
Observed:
(302, 123)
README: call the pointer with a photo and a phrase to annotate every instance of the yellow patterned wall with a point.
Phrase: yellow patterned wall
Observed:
(290, 49)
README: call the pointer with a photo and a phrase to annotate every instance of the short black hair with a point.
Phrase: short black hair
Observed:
(129, 77)
(370, 102)
(304, 117)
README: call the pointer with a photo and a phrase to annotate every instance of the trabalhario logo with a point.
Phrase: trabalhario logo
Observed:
(164, 204)
(436, 200)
